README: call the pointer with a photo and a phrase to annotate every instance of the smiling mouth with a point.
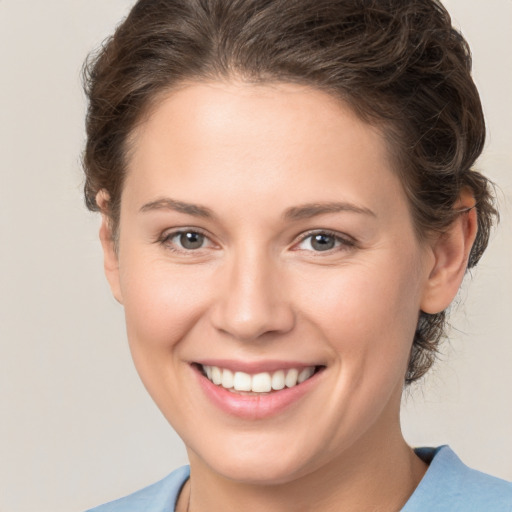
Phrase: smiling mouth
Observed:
(259, 383)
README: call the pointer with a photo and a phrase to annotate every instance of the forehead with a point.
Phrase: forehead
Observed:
(263, 139)
(208, 109)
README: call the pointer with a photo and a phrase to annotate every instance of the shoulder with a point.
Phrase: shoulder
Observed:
(158, 497)
(450, 485)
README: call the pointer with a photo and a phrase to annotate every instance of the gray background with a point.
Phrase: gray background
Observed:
(76, 426)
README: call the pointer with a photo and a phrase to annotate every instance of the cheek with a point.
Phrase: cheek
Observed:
(368, 319)
(363, 312)
(163, 307)
(162, 302)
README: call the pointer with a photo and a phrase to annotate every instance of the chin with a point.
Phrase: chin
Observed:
(259, 472)
(257, 464)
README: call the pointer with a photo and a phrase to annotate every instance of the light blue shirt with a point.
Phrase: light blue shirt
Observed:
(448, 486)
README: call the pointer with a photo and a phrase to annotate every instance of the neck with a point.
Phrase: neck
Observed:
(369, 476)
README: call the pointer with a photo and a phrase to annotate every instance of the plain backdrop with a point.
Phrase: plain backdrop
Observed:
(76, 426)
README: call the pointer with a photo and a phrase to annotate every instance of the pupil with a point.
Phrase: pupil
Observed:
(322, 242)
(191, 240)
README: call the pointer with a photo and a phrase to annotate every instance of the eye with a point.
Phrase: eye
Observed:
(190, 240)
(322, 241)
(185, 240)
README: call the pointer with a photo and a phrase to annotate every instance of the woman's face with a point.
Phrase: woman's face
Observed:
(264, 235)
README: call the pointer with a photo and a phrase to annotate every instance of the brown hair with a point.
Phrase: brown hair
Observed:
(399, 64)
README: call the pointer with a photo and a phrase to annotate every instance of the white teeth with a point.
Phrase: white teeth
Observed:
(242, 382)
(227, 379)
(305, 374)
(259, 383)
(278, 380)
(216, 375)
(291, 378)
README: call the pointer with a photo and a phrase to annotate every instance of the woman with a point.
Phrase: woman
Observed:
(289, 207)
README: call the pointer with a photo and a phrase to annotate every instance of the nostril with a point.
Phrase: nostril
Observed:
(250, 325)
(251, 304)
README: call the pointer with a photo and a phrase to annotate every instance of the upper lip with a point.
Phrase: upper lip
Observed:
(254, 367)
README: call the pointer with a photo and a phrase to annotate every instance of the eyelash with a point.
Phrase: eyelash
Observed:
(166, 239)
(343, 243)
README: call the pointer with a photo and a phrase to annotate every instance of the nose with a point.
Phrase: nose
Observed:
(252, 300)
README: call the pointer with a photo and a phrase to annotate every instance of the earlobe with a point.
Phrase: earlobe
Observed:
(451, 253)
(110, 256)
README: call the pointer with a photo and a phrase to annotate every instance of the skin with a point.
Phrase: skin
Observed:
(258, 290)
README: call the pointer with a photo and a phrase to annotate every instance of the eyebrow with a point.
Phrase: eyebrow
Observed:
(178, 206)
(304, 211)
(307, 211)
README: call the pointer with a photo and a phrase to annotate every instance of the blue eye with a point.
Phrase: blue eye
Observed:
(323, 241)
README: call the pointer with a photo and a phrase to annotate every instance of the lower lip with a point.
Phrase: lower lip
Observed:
(255, 407)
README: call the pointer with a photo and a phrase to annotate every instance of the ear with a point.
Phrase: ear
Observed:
(110, 256)
(451, 252)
